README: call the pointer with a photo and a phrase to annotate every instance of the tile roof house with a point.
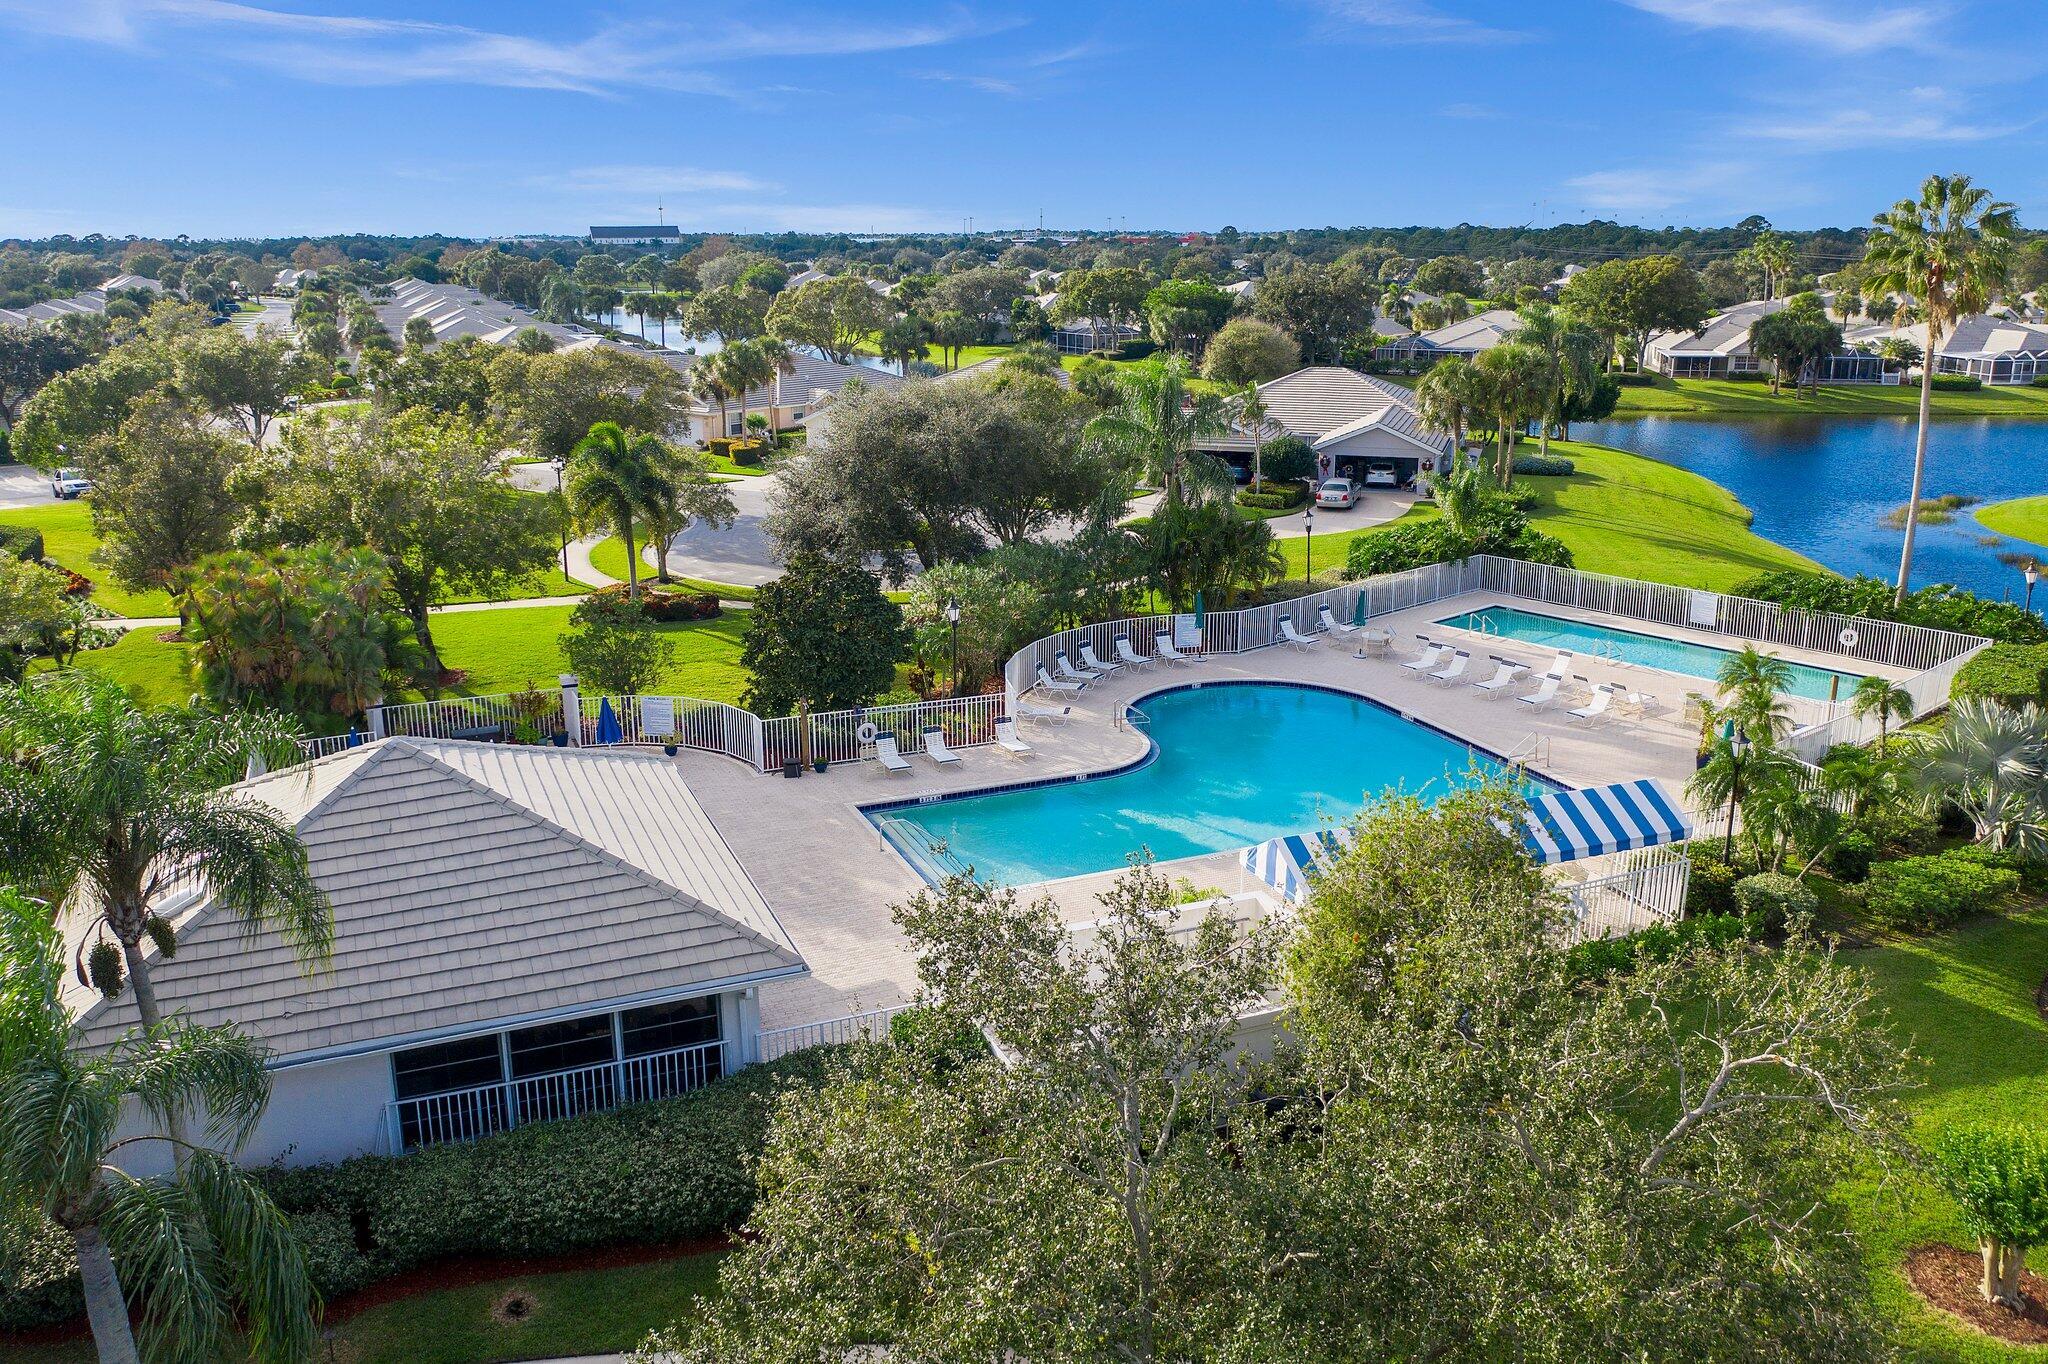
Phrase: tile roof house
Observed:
(1466, 338)
(1995, 350)
(1360, 427)
(1720, 347)
(787, 401)
(518, 932)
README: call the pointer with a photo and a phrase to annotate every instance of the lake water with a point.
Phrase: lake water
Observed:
(1823, 485)
(671, 336)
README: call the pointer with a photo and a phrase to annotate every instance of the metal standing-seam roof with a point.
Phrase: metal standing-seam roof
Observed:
(473, 884)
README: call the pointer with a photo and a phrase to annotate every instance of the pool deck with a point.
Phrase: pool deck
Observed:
(831, 879)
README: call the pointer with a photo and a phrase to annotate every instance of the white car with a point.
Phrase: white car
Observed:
(1337, 492)
(1381, 476)
(69, 483)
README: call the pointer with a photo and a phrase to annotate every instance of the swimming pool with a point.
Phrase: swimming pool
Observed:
(1649, 651)
(1232, 764)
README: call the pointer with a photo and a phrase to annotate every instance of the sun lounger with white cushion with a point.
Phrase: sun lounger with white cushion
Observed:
(1071, 673)
(935, 747)
(1162, 647)
(1560, 667)
(1333, 625)
(1050, 715)
(1505, 671)
(1544, 694)
(1047, 682)
(1452, 671)
(1431, 656)
(887, 754)
(1090, 661)
(1596, 709)
(1007, 740)
(1293, 637)
(1129, 656)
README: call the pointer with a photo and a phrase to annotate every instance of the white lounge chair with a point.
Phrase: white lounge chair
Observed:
(1090, 661)
(1505, 671)
(889, 756)
(1073, 674)
(1452, 671)
(1544, 694)
(1333, 626)
(1007, 740)
(1560, 667)
(1432, 654)
(1162, 647)
(1047, 682)
(1293, 637)
(1595, 709)
(1129, 656)
(1046, 715)
(935, 747)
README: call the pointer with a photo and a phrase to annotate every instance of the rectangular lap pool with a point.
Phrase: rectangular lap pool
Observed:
(1231, 764)
(1629, 646)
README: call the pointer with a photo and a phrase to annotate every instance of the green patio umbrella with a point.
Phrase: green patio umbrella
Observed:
(1199, 614)
(1358, 608)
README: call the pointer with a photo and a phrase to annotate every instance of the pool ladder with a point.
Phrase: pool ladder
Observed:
(1534, 748)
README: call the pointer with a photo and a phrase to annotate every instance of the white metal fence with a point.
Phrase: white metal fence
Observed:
(835, 735)
(685, 721)
(1649, 890)
(1928, 689)
(872, 1026)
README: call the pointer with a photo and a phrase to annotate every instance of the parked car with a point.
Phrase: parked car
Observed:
(69, 483)
(1379, 475)
(1337, 492)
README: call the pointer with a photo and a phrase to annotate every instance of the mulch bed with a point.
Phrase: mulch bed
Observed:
(1947, 1278)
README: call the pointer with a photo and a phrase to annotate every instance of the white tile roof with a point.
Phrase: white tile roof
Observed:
(1325, 404)
(474, 883)
(1469, 336)
(1980, 337)
(1723, 334)
(809, 376)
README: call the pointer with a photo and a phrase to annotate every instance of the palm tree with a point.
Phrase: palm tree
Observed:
(199, 1245)
(1460, 499)
(1949, 249)
(1991, 762)
(1518, 379)
(107, 805)
(1899, 351)
(1752, 686)
(1156, 425)
(1772, 254)
(1446, 395)
(611, 479)
(1251, 413)
(741, 366)
(1884, 698)
(685, 493)
(1575, 353)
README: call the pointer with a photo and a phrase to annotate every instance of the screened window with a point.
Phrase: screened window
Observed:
(665, 1027)
(549, 1047)
(444, 1066)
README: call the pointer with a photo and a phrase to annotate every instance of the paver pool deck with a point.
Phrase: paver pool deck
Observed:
(831, 878)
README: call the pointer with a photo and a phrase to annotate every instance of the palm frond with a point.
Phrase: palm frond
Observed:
(180, 1071)
(262, 1256)
(171, 1265)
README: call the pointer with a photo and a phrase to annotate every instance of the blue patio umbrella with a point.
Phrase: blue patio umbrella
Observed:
(608, 730)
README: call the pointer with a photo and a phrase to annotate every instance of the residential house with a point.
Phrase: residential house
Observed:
(634, 236)
(787, 400)
(456, 310)
(1994, 350)
(520, 934)
(1362, 428)
(1720, 349)
(1465, 338)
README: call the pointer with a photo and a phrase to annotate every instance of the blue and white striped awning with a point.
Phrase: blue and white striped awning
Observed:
(1284, 863)
(1602, 819)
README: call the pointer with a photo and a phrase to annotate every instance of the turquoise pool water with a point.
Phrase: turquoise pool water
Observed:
(1234, 764)
(1648, 651)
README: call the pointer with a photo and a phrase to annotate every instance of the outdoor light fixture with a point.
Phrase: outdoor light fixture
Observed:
(953, 621)
(1738, 749)
(2032, 572)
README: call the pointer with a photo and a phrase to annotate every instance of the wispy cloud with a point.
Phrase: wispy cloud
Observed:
(650, 180)
(1923, 114)
(1021, 75)
(1469, 111)
(1854, 28)
(1635, 190)
(1412, 21)
(351, 50)
(988, 85)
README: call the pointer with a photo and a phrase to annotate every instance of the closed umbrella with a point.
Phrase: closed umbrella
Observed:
(1358, 608)
(608, 730)
(1200, 615)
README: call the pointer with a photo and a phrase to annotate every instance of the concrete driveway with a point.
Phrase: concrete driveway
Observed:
(738, 554)
(21, 486)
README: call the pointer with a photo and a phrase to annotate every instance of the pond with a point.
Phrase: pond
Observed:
(671, 336)
(1824, 485)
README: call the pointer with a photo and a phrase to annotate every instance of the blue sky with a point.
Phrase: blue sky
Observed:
(214, 117)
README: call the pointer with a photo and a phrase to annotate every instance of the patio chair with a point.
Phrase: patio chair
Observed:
(1561, 666)
(1047, 682)
(1129, 656)
(1162, 647)
(1544, 694)
(1069, 672)
(1007, 740)
(935, 747)
(1091, 662)
(1045, 715)
(1453, 671)
(1431, 656)
(1293, 637)
(1505, 671)
(889, 756)
(1636, 704)
(1595, 709)
(1331, 625)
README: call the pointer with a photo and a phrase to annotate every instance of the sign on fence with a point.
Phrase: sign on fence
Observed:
(658, 716)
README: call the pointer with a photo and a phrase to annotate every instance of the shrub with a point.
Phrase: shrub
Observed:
(1998, 1177)
(1848, 858)
(1636, 380)
(2011, 674)
(1604, 956)
(1748, 376)
(1545, 466)
(1924, 893)
(1710, 890)
(927, 1031)
(22, 542)
(2040, 382)
(1941, 606)
(1285, 459)
(749, 455)
(1957, 383)
(667, 603)
(1276, 497)
(1433, 542)
(38, 1276)
(1773, 900)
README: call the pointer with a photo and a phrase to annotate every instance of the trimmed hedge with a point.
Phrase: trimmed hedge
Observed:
(2012, 674)
(668, 603)
(1924, 893)
(1545, 466)
(1279, 497)
(1956, 383)
(1939, 606)
(1710, 890)
(649, 1174)
(1636, 380)
(22, 542)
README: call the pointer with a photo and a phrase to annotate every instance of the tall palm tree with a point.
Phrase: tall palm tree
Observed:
(107, 804)
(1884, 698)
(1446, 395)
(1251, 414)
(1752, 688)
(1518, 379)
(198, 1246)
(614, 479)
(1949, 249)
(1991, 762)
(1575, 353)
(741, 366)
(1155, 426)
(1772, 254)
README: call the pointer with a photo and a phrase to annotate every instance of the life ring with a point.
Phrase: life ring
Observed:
(1849, 638)
(867, 731)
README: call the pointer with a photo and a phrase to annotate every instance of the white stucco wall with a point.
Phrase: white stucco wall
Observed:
(324, 1112)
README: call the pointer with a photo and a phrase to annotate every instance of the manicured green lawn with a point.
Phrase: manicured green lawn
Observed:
(68, 539)
(1723, 398)
(551, 583)
(157, 672)
(608, 556)
(2023, 518)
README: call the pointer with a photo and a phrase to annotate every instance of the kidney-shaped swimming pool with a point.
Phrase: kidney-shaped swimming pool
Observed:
(1232, 764)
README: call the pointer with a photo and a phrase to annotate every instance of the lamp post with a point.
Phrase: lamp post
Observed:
(2032, 572)
(953, 624)
(1308, 521)
(1738, 749)
(561, 465)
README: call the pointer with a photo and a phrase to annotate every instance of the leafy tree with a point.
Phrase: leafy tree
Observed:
(1950, 249)
(419, 334)
(1321, 307)
(1104, 298)
(1156, 425)
(163, 496)
(106, 802)
(29, 358)
(1287, 459)
(613, 645)
(729, 314)
(612, 479)
(837, 316)
(38, 615)
(1998, 1176)
(451, 380)
(321, 338)
(428, 493)
(984, 293)
(1028, 320)
(550, 402)
(197, 1248)
(1248, 351)
(1796, 338)
(821, 635)
(1633, 298)
(1185, 313)
(1575, 351)
(1450, 275)
(1899, 352)
(950, 330)
(69, 412)
(1207, 548)
(997, 612)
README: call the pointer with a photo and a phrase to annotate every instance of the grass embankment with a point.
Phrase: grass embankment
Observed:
(1726, 398)
(2023, 518)
(608, 557)
(499, 651)
(1618, 513)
